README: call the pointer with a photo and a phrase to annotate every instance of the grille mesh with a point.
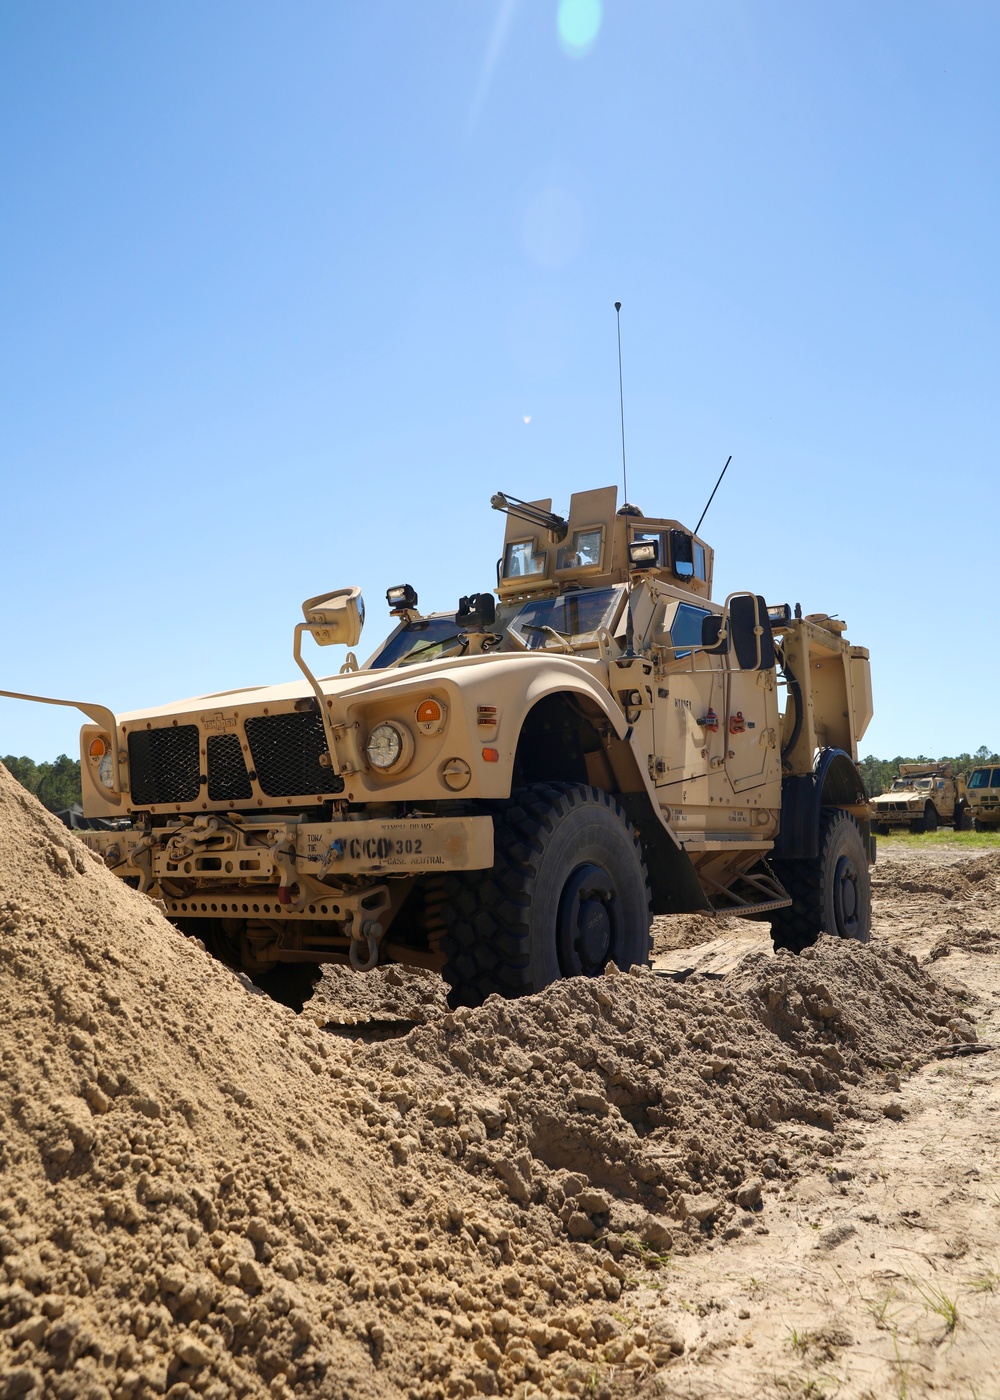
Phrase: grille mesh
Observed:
(286, 751)
(164, 765)
(228, 780)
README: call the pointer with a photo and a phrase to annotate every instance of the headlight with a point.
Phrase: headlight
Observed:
(101, 758)
(385, 746)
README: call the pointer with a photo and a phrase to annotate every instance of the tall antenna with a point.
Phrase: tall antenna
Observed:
(715, 488)
(621, 399)
(629, 625)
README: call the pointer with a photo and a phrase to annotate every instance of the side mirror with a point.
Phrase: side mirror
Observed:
(336, 618)
(753, 640)
(714, 635)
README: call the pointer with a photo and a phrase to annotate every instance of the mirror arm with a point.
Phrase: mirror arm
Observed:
(324, 709)
(98, 714)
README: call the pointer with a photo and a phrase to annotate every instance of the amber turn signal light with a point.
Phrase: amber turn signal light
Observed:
(428, 712)
(98, 748)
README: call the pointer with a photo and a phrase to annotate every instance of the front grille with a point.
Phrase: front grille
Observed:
(164, 765)
(228, 780)
(286, 751)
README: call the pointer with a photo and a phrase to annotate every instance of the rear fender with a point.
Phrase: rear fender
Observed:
(834, 782)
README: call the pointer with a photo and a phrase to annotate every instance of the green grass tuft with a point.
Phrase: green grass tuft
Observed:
(964, 840)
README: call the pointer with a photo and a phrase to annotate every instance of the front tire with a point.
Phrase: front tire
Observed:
(930, 818)
(831, 893)
(568, 893)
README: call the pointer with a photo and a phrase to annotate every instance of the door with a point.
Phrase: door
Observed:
(689, 715)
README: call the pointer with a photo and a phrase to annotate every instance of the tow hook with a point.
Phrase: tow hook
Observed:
(371, 933)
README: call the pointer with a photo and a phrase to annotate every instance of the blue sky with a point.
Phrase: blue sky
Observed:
(281, 285)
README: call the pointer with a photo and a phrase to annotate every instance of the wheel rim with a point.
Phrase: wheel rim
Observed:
(588, 923)
(847, 898)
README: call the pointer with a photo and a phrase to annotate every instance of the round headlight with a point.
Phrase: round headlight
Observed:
(106, 771)
(385, 744)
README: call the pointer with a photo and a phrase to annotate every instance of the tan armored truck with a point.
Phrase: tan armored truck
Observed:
(984, 797)
(924, 796)
(510, 791)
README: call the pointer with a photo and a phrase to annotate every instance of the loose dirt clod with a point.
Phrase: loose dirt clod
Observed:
(207, 1195)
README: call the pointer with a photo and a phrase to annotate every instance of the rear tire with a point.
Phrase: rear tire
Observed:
(568, 893)
(831, 893)
(962, 820)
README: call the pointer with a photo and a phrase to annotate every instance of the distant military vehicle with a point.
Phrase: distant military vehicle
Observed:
(508, 792)
(984, 796)
(922, 798)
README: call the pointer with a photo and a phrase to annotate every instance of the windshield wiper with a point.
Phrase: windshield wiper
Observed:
(562, 637)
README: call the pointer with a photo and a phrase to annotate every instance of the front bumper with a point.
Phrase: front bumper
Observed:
(220, 866)
(895, 817)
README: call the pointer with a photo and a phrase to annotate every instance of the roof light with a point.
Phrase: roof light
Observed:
(643, 554)
(403, 596)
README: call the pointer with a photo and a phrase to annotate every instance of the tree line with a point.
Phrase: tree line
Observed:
(56, 785)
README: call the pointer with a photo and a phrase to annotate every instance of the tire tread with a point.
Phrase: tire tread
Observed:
(486, 942)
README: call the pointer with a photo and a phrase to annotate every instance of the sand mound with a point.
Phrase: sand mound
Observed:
(386, 997)
(978, 879)
(207, 1195)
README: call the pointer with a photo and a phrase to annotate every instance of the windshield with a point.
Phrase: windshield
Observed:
(422, 640)
(570, 620)
(908, 784)
(985, 777)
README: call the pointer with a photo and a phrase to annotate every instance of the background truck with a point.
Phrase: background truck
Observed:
(510, 791)
(923, 797)
(983, 796)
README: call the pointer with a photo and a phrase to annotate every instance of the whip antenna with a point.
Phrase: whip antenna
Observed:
(715, 488)
(621, 399)
(629, 625)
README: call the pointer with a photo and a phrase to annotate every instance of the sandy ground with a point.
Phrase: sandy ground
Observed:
(879, 1272)
(741, 1175)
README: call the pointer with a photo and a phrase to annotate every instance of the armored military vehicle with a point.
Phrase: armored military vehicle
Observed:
(984, 797)
(509, 791)
(923, 797)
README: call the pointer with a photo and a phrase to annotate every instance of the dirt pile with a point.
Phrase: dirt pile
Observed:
(386, 997)
(207, 1195)
(639, 1110)
(977, 880)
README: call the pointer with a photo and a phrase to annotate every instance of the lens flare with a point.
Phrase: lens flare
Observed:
(579, 22)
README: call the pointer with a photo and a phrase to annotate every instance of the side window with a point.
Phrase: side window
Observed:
(699, 562)
(584, 552)
(520, 560)
(685, 630)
